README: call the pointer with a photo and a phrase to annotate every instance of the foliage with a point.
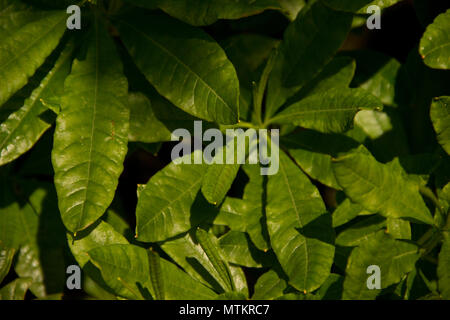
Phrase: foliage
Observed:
(363, 154)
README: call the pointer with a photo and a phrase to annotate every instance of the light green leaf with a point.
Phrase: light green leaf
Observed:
(373, 123)
(6, 258)
(212, 252)
(153, 120)
(376, 73)
(91, 135)
(394, 257)
(435, 43)
(443, 268)
(359, 6)
(347, 211)
(398, 228)
(269, 286)
(313, 152)
(440, 116)
(238, 249)
(353, 235)
(187, 253)
(24, 127)
(15, 290)
(330, 111)
(299, 226)
(165, 206)
(380, 188)
(184, 64)
(309, 44)
(24, 50)
(205, 12)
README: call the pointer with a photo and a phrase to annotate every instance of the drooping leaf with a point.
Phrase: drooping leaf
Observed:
(380, 188)
(309, 44)
(205, 12)
(435, 43)
(299, 227)
(184, 64)
(442, 270)
(24, 127)
(16, 289)
(165, 206)
(24, 50)
(394, 257)
(330, 111)
(91, 133)
(440, 115)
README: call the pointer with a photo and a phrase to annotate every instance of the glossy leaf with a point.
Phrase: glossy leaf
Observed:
(24, 127)
(269, 286)
(331, 111)
(200, 80)
(24, 50)
(309, 44)
(394, 257)
(353, 235)
(440, 115)
(299, 227)
(380, 188)
(347, 211)
(238, 249)
(165, 207)
(435, 43)
(91, 133)
(313, 152)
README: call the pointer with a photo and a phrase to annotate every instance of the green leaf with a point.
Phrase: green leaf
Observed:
(6, 258)
(313, 152)
(184, 64)
(238, 249)
(24, 127)
(359, 6)
(165, 206)
(309, 44)
(130, 264)
(376, 73)
(331, 288)
(220, 175)
(292, 7)
(91, 135)
(154, 263)
(299, 226)
(269, 286)
(205, 12)
(24, 50)
(373, 123)
(394, 257)
(435, 43)
(153, 120)
(352, 236)
(398, 228)
(212, 252)
(15, 290)
(330, 111)
(98, 235)
(442, 270)
(346, 212)
(440, 116)
(187, 253)
(380, 188)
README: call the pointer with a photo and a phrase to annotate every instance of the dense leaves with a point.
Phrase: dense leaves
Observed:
(94, 173)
